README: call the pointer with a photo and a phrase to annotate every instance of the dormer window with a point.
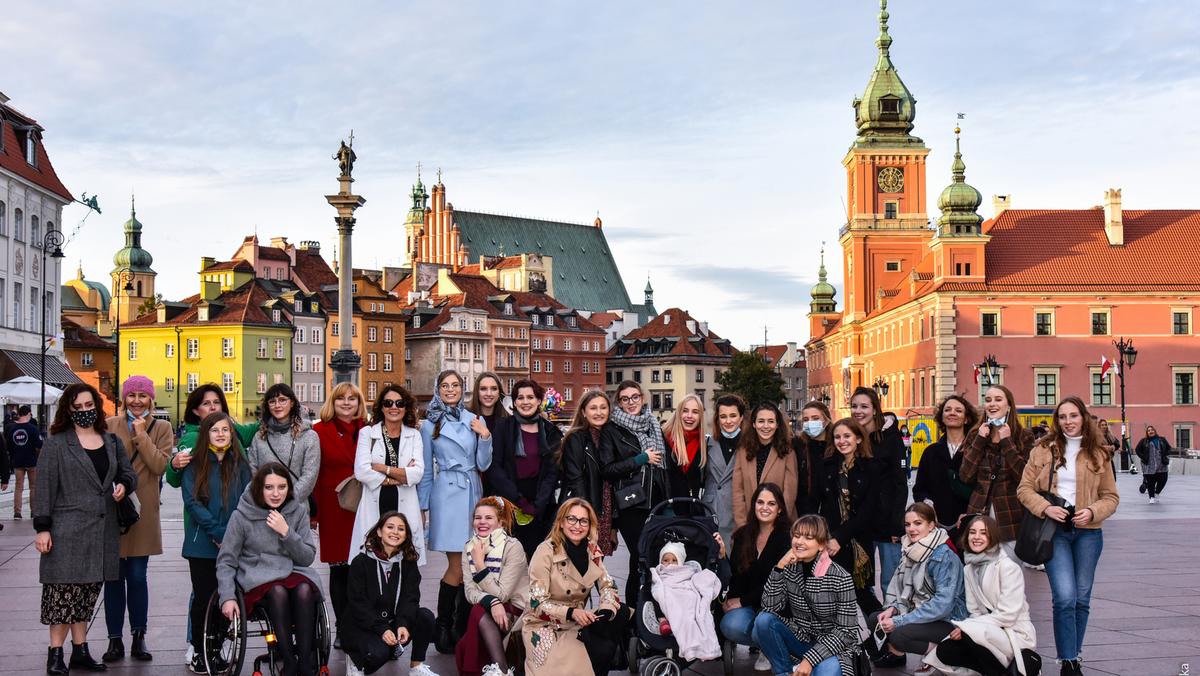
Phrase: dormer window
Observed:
(416, 321)
(203, 313)
(508, 308)
(276, 315)
(549, 320)
(889, 105)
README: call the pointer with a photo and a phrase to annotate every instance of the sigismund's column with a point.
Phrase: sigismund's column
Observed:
(344, 362)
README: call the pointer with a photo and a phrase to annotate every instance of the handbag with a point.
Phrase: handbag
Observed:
(632, 494)
(312, 502)
(1035, 538)
(349, 493)
(127, 508)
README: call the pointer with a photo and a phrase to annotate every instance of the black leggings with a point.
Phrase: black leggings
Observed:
(630, 523)
(605, 639)
(204, 583)
(293, 612)
(370, 653)
(966, 653)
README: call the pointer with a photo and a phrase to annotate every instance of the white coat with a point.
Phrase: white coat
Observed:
(999, 615)
(371, 449)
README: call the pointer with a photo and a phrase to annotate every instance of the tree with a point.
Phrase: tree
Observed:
(749, 377)
(148, 305)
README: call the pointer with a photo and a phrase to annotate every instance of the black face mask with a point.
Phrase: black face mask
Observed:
(84, 418)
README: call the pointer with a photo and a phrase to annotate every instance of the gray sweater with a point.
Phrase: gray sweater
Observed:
(252, 554)
(301, 454)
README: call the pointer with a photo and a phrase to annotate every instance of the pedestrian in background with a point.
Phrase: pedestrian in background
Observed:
(1154, 452)
(24, 441)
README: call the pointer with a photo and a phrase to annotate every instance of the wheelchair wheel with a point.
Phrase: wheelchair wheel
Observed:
(727, 656)
(660, 666)
(224, 642)
(324, 638)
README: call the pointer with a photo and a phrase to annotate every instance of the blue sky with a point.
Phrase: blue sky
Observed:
(708, 135)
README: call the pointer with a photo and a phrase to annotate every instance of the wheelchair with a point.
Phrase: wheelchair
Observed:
(224, 647)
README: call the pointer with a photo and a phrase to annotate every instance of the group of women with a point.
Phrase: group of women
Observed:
(525, 516)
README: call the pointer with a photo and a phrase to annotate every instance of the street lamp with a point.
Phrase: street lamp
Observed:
(127, 277)
(881, 386)
(178, 371)
(990, 369)
(1126, 356)
(53, 238)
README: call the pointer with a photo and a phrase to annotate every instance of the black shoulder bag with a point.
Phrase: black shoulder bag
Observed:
(1035, 538)
(127, 508)
(312, 502)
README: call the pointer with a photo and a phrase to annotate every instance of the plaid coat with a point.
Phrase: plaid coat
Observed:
(819, 609)
(995, 469)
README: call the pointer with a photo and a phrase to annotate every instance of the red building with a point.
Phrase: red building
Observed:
(566, 351)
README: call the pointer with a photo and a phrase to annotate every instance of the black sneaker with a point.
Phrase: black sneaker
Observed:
(890, 661)
(197, 666)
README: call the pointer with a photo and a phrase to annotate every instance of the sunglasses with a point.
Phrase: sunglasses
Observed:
(392, 403)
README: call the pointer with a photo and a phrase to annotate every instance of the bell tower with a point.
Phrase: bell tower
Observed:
(887, 225)
(132, 277)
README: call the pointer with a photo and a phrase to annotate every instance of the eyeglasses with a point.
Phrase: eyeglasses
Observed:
(631, 399)
(578, 521)
(392, 403)
(451, 385)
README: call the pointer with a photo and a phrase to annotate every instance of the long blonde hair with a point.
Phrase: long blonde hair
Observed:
(340, 390)
(678, 436)
(556, 533)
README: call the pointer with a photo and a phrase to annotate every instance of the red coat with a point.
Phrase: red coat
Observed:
(339, 441)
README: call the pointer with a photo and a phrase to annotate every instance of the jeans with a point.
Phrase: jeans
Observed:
(1071, 571)
(738, 626)
(129, 589)
(889, 561)
(778, 643)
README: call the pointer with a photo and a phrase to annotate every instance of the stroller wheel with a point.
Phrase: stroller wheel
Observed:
(633, 654)
(727, 656)
(660, 666)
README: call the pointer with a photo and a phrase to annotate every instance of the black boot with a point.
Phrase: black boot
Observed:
(1071, 668)
(81, 658)
(443, 635)
(54, 661)
(462, 612)
(138, 649)
(116, 650)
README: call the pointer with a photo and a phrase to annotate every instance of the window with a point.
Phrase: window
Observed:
(300, 334)
(699, 375)
(637, 376)
(261, 384)
(276, 316)
(299, 363)
(1181, 322)
(193, 348)
(1043, 321)
(1185, 385)
(227, 382)
(169, 384)
(1183, 436)
(512, 332)
(277, 378)
(549, 366)
(549, 343)
(462, 349)
(313, 307)
(372, 334)
(387, 334)
(302, 391)
(892, 266)
(668, 376)
(86, 358)
(537, 343)
(655, 401)
(655, 376)
(3, 218)
(416, 322)
(337, 326)
(278, 348)
(132, 350)
(407, 354)
(1101, 388)
(536, 319)
(571, 321)
(524, 356)
(353, 329)
(566, 367)
(193, 381)
(889, 105)
(372, 361)
(499, 358)
(227, 348)
(890, 209)
(668, 400)
(508, 308)
(477, 351)
(478, 325)
(583, 345)
(537, 366)
(569, 394)
(387, 361)
(262, 348)
(595, 346)
(549, 320)
(317, 363)
(317, 391)
(462, 324)
(989, 324)
(372, 389)
(1046, 387)
(299, 305)
(18, 225)
(567, 344)
(1100, 322)
(499, 332)
(35, 232)
(317, 337)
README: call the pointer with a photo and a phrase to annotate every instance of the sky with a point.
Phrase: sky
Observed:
(707, 135)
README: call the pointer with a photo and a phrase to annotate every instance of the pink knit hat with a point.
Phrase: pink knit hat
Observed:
(137, 384)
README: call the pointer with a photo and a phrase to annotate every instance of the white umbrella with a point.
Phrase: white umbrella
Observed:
(27, 390)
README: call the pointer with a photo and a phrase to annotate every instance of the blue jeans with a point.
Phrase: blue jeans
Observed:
(778, 643)
(738, 626)
(889, 561)
(129, 589)
(1071, 572)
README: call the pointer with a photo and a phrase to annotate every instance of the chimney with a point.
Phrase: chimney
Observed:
(207, 262)
(1000, 204)
(691, 325)
(1114, 222)
(704, 328)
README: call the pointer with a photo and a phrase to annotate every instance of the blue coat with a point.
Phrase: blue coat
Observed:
(450, 492)
(207, 522)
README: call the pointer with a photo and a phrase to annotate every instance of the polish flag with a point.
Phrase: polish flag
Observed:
(1106, 366)
(977, 374)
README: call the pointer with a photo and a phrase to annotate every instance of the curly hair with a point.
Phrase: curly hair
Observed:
(505, 510)
(62, 416)
(374, 542)
(408, 401)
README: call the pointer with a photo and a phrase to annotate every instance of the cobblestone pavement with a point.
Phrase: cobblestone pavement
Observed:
(1145, 608)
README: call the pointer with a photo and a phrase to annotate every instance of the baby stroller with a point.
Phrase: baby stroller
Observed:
(692, 523)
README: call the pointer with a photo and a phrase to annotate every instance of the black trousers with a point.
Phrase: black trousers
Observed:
(605, 639)
(1154, 483)
(339, 576)
(533, 534)
(204, 583)
(630, 523)
(970, 655)
(370, 653)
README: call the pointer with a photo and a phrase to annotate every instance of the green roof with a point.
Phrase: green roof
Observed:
(585, 273)
(70, 300)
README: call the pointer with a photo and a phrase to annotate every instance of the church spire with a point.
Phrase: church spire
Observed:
(886, 110)
(960, 201)
(823, 292)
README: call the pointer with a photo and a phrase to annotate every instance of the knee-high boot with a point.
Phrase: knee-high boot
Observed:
(462, 611)
(443, 635)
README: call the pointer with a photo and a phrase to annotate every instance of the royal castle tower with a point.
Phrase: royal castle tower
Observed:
(958, 248)
(886, 228)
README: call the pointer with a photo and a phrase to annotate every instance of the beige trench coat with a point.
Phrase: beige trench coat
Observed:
(552, 644)
(153, 453)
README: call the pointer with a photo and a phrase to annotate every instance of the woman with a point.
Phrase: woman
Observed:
(268, 551)
(1110, 440)
(390, 462)
(998, 631)
(497, 586)
(728, 420)
(757, 547)
(1154, 452)
(766, 456)
(808, 608)
(579, 465)
(633, 457)
(993, 461)
(384, 610)
(212, 484)
(342, 416)
(202, 402)
(938, 479)
(1072, 464)
(286, 438)
(684, 436)
(887, 447)
(523, 469)
(561, 575)
(461, 445)
(924, 595)
(487, 399)
(848, 495)
(149, 442)
(82, 474)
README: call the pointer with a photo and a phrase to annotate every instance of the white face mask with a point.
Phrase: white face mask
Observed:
(998, 422)
(814, 428)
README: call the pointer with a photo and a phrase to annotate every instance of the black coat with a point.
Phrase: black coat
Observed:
(865, 479)
(371, 611)
(747, 582)
(938, 480)
(619, 451)
(888, 449)
(501, 477)
(810, 455)
(581, 469)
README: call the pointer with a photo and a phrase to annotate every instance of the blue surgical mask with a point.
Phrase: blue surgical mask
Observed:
(731, 435)
(998, 422)
(814, 428)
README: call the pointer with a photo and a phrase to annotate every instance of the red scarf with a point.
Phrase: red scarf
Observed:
(691, 440)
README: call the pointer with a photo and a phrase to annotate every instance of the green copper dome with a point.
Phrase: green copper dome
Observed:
(823, 292)
(417, 213)
(133, 257)
(886, 110)
(959, 201)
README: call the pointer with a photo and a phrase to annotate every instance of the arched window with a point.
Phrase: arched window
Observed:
(18, 225)
(35, 231)
(139, 288)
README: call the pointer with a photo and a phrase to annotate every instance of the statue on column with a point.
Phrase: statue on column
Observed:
(345, 157)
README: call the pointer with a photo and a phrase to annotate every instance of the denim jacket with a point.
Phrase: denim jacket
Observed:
(948, 602)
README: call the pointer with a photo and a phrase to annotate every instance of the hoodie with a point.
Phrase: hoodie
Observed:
(252, 554)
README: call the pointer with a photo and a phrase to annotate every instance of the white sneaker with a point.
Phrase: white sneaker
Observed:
(762, 663)
(189, 655)
(494, 670)
(421, 669)
(352, 670)
(1154, 501)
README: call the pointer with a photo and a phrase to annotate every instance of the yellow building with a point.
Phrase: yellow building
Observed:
(229, 334)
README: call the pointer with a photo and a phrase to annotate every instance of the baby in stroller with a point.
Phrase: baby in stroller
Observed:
(685, 591)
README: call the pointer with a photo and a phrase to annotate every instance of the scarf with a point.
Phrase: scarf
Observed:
(578, 554)
(130, 417)
(643, 425)
(914, 556)
(494, 556)
(219, 451)
(691, 443)
(977, 564)
(535, 420)
(863, 566)
(278, 427)
(438, 408)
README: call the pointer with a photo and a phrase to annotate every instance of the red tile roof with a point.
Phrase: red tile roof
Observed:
(235, 265)
(242, 305)
(312, 271)
(541, 300)
(12, 156)
(773, 353)
(273, 253)
(672, 323)
(604, 319)
(75, 336)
